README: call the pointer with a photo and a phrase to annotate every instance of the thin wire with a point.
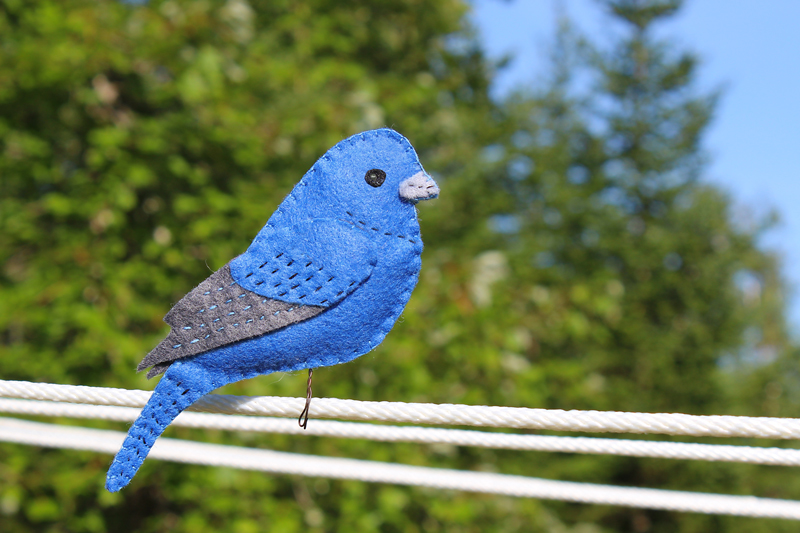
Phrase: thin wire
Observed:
(445, 414)
(104, 441)
(301, 421)
(453, 437)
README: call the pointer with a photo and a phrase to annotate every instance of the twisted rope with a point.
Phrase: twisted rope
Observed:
(432, 414)
(454, 437)
(38, 434)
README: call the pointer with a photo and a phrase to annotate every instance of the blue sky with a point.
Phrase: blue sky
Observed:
(749, 48)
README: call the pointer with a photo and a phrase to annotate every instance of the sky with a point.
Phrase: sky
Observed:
(748, 48)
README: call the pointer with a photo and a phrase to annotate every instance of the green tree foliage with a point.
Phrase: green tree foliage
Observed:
(573, 260)
(640, 289)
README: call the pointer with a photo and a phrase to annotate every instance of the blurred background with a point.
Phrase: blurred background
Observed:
(598, 243)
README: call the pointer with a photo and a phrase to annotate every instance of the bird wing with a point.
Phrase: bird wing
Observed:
(290, 276)
(317, 262)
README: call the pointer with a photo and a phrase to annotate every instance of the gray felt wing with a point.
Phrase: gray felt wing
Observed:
(219, 312)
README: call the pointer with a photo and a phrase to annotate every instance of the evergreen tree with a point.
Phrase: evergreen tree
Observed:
(630, 270)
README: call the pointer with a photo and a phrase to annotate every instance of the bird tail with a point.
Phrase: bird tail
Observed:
(171, 396)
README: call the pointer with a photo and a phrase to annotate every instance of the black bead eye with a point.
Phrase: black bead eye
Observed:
(375, 177)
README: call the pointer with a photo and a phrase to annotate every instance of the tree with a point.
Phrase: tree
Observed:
(626, 271)
(573, 260)
(141, 145)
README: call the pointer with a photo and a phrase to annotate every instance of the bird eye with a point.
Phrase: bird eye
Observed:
(375, 177)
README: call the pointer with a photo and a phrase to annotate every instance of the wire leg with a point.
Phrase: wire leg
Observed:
(303, 420)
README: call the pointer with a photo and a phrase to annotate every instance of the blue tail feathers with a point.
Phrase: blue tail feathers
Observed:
(175, 392)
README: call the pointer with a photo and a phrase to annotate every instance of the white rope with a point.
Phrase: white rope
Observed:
(352, 430)
(444, 414)
(38, 434)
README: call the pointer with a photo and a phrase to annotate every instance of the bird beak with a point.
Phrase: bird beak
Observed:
(418, 187)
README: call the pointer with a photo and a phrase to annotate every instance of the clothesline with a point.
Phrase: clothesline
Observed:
(43, 399)
(104, 441)
(455, 437)
(433, 414)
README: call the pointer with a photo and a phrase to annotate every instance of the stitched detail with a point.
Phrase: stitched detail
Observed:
(289, 283)
(223, 323)
(386, 233)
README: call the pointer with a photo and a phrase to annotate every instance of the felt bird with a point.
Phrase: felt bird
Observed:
(321, 284)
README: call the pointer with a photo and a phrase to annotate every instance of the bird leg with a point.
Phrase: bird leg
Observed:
(303, 420)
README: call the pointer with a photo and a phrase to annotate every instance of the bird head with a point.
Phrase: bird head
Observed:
(373, 178)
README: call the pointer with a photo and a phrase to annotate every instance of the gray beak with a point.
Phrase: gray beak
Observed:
(418, 187)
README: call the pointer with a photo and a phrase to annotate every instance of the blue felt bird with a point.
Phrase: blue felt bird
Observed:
(322, 283)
